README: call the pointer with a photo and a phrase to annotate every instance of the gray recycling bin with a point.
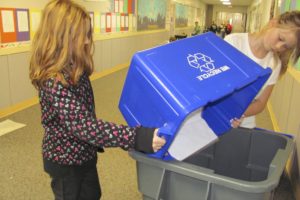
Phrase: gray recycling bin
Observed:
(244, 164)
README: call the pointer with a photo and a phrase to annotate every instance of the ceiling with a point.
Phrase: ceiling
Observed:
(233, 2)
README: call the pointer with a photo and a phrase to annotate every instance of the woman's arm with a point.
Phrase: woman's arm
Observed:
(259, 103)
(76, 118)
(255, 107)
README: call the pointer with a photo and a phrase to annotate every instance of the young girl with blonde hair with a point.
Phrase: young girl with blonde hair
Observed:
(60, 66)
(274, 46)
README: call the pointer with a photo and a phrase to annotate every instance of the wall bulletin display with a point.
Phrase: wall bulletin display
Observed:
(181, 12)
(151, 14)
(22, 16)
(119, 11)
(8, 32)
(21, 24)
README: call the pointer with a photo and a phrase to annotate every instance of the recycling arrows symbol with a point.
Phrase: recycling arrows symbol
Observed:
(201, 61)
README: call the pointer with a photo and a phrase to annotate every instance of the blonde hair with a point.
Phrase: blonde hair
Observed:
(63, 44)
(290, 19)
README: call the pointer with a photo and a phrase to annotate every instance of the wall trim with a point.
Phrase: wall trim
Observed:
(33, 101)
(18, 107)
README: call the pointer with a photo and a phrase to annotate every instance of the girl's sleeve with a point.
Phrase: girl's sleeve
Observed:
(81, 122)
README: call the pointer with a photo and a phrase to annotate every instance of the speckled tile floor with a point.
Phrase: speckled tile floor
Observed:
(21, 170)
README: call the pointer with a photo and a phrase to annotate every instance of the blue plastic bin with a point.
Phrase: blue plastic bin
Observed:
(167, 83)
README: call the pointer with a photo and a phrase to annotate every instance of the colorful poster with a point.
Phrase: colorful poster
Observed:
(113, 22)
(108, 22)
(151, 14)
(103, 23)
(121, 6)
(125, 6)
(122, 27)
(96, 22)
(126, 26)
(118, 22)
(8, 21)
(131, 6)
(34, 20)
(116, 6)
(7, 25)
(22, 24)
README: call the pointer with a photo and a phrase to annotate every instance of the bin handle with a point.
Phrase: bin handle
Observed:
(166, 134)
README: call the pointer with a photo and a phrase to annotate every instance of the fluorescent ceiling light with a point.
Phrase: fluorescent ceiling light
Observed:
(224, 0)
(226, 3)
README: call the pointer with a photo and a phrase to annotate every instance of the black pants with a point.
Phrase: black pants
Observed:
(77, 185)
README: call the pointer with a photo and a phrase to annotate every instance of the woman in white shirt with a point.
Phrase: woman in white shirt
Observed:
(274, 46)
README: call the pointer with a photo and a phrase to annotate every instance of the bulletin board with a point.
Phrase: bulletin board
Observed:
(151, 14)
(19, 25)
(181, 13)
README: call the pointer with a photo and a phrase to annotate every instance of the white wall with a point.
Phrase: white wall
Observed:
(237, 25)
(259, 11)
(234, 9)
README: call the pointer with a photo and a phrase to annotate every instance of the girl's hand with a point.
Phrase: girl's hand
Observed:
(157, 141)
(236, 122)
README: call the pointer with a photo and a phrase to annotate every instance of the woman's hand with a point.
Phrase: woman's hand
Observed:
(236, 122)
(157, 141)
